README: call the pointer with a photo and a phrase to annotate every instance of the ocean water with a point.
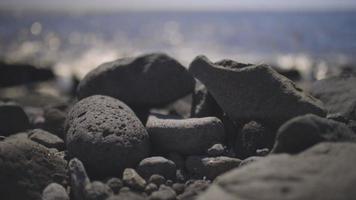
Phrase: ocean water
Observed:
(76, 43)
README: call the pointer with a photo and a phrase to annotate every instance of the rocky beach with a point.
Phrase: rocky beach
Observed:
(148, 127)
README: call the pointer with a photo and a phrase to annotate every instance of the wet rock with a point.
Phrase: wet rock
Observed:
(101, 129)
(164, 193)
(249, 160)
(13, 118)
(46, 139)
(78, 178)
(115, 184)
(216, 150)
(54, 191)
(97, 191)
(151, 187)
(157, 179)
(27, 167)
(325, 171)
(145, 81)
(184, 135)
(210, 167)
(157, 165)
(338, 95)
(133, 180)
(194, 189)
(302, 132)
(272, 99)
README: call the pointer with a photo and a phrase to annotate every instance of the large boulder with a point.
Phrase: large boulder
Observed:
(145, 81)
(302, 132)
(184, 136)
(338, 95)
(13, 118)
(324, 172)
(27, 167)
(101, 129)
(254, 92)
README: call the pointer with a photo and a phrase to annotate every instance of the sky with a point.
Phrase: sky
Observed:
(180, 4)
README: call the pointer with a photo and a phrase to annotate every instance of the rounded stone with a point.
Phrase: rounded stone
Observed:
(157, 165)
(13, 119)
(54, 191)
(102, 132)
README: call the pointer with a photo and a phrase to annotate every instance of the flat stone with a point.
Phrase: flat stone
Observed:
(157, 165)
(323, 172)
(47, 139)
(272, 99)
(184, 135)
(302, 132)
(101, 129)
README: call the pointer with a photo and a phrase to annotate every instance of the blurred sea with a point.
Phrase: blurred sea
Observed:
(76, 43)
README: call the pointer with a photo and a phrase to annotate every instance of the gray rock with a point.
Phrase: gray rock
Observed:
(178, 188)
(145, 81)
(13, 119)
(193, 189)
(157, 179)
(101, 129)
(27, 167)
(157, 165)
(97, 191)
(54, 121)
(78, 178)
(210, 167)
(302, 132)
(133, 180)
(164, 193)
(184, 135)
(151, 187)
(273, 98)
(323, 172)
(338, 95)
(216, 150)
(46, 139)
(54, 191)
(127, 195)
(115, 184)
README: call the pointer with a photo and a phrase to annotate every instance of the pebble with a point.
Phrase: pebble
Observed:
(54, 191)
(156, 165)
(13, 119)
(133, 180)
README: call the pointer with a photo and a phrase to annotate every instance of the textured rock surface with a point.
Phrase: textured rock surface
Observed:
(273, 98)
(185, 135)
(54, 191)
(133, 180)
(115, 184)
(46, 139)
(13, 119)
(164, 193)
(338, 95)
(101, 129)
(97, 191)
(27, 167)
(216, 150)
(305, 131)
(324, 172)
(194, 189)
(157, 165)
(210, 167)
(78, 178)
(147, 80)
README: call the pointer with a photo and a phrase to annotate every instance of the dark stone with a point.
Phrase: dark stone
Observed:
(184, 135)
(210, 167)
(145, 81)
(352, 125)
(151, 187)
(46, 139)
(27, 167)
(273, 99)
(157, 165)
(292, 74)
(216, 150)
(337, 117)
(54, 191)
(177, 159)
(338, 95)
(302, 132)
(169, 183)
(101, 129)
(97, 191)
(178, 188)
(325, 171)
(13, 119)
(157, 179)
(164, 193)
(78, 178)
(54, 121)
(133, 180)
(115, 184)
(193, 189)
(18, 74)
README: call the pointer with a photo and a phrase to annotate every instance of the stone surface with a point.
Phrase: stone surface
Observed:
(302, 132)
(157, 165)
(54, 191)
(46, 139)
(273, 98)
(54, 121)
(145, 81)
(193, 189)
(133, 180)
(101, 129)
(178, 188)
(164, 193)
(249, 160)
(151, 187)
(27, 167)
(97, 191)
(184, 136)
(13, 118)
(78, 178)
(115, 184)
(127, 195)
(209, 167)
(323, 172)
(338, 95)
(157, 179)
(216, 150)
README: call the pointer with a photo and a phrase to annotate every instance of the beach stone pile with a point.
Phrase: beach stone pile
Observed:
(147, 127)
